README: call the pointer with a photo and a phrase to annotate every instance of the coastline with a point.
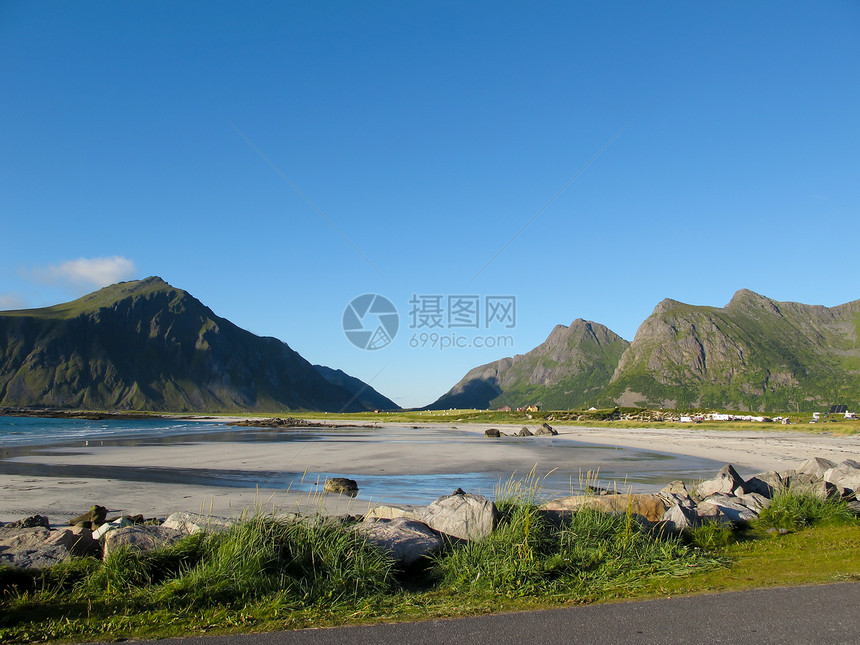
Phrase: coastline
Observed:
(61, 495)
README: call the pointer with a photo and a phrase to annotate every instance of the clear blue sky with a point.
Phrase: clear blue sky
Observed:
(429, 134)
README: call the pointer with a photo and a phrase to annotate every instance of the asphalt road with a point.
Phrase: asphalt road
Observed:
(822, 615)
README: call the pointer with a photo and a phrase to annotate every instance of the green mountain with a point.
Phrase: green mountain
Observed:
(753, 354)
(145, 345)
(569, 369)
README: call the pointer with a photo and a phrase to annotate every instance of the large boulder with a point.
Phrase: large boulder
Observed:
(815, 467)
(813, 486)
(726, 481)
(525, 432)
(845, 477)
(730, 506)
(341, 486)
(38, 547)
(651, 506)
(190, 523)
(462, 515)
(140, 538)
(383, 512)
(405, 540)
(680, 517)
(766, 484)
(675, 493)
(492, 432)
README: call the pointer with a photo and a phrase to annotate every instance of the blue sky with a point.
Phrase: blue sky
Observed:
(136, 138)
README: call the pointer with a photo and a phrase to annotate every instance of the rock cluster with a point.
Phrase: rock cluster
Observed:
(409, 533)
(545, 430)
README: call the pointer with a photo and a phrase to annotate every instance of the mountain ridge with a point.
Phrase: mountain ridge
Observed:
(754, 353)
(146, 345)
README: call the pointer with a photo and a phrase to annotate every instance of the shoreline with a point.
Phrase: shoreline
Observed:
(449, 450)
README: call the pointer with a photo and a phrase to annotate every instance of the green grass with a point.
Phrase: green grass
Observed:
(268, 574)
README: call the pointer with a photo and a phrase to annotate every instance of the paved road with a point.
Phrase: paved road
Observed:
(822, 615)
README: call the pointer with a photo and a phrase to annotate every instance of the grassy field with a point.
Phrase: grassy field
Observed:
(266, 574)
(593, 419)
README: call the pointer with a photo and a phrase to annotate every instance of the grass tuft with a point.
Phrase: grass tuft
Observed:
(789, 510)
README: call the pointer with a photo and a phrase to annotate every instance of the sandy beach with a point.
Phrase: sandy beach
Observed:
(57, 482)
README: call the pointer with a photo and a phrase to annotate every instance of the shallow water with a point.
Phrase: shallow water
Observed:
(562, 467)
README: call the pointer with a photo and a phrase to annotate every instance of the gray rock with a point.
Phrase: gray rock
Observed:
(754, 501)
(767, 484)
(804, 484)
(405, 540)
(679, 518)
(342, 486)
(676, 493)
(190, 523)
(708, 512)
(816, 467)
(492, 432)
(845, 477)
(525, 432)
(462, 515)
(732, 507)
(34, 547)
(726, 481)
(140, 538)
(546, 430)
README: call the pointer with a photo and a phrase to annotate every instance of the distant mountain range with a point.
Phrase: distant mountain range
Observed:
(753, 354)
(146, 345)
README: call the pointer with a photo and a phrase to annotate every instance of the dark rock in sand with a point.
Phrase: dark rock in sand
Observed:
(95, 516)
(341, 485)
(30, 522)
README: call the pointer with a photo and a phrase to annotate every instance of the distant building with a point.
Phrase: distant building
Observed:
(504, 408)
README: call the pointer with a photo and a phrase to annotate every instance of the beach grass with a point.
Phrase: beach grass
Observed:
(272, 573)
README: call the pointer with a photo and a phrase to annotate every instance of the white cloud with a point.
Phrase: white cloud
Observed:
(11, 301)
(86, 272)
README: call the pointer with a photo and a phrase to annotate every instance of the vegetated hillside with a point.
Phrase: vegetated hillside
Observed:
(145, 345)
(364, 395)
(569, 369)
(754, 354)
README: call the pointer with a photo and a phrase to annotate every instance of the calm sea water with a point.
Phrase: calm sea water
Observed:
(34, 431)
(563, 462)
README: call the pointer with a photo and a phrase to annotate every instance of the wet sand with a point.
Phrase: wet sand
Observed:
(232, 473)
